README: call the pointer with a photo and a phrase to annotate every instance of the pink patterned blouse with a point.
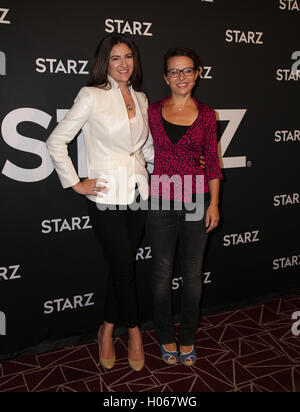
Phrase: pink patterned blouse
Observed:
(180, 163)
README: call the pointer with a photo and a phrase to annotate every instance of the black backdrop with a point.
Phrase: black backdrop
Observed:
(52, 272)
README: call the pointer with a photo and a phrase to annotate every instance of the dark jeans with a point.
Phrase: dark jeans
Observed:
(119, 233)
(163, 229)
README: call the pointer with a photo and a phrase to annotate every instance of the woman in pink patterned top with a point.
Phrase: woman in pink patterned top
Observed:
(183, 129)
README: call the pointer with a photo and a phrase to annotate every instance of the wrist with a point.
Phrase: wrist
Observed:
(76, 186)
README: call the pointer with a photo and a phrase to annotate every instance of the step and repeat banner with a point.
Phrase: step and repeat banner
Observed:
(52, 271)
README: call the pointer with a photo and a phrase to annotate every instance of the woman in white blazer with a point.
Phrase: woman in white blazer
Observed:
(113, 117)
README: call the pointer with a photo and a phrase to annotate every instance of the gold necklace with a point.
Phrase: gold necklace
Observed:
(181, 107)
(129, 107)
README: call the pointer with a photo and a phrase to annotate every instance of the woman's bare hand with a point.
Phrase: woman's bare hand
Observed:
(202, 162)
(212, 217)
(91, 187)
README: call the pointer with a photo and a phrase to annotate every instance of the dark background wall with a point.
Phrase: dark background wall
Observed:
(52, 272)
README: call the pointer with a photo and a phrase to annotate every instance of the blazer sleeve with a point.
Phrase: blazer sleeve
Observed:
(148, 149)
(65, 132)
(212, 164)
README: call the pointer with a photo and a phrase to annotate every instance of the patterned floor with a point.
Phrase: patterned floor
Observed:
(248, 350)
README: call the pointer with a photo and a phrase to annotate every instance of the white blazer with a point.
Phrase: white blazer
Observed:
(110, 151)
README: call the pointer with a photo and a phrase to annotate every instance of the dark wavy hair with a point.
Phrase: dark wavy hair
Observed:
(181, 51)
(101, 61)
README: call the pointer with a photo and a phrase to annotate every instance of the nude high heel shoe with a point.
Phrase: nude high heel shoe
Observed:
(106, 363)
(137, 365)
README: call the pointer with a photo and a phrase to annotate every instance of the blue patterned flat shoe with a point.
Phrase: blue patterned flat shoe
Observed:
(189, 358)
(169, 357)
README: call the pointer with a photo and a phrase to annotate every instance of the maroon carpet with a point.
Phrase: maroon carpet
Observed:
(248, 350)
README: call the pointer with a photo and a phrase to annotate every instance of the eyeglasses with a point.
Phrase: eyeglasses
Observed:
(188, 71)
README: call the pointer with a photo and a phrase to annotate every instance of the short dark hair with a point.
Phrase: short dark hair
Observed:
(181, 51)
(101, 61)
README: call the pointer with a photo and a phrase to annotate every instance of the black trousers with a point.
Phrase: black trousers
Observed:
(164, 227)
(119, 233)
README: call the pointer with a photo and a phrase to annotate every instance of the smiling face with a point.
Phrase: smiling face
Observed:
(183, 83)
(121, 64)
